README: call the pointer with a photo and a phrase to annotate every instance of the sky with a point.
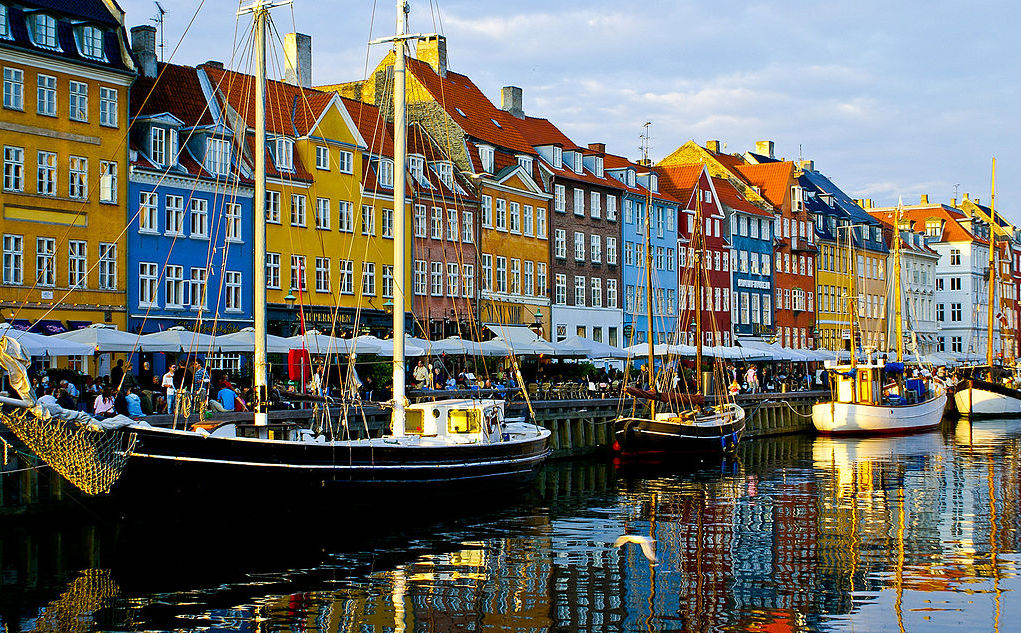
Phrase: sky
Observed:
(890, 99)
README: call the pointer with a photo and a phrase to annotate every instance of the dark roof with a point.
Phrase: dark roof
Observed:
(66, 12)
(91, 10)
(762, 158)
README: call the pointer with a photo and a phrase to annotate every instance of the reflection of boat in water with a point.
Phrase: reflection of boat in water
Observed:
(987, 433)
(847, 451)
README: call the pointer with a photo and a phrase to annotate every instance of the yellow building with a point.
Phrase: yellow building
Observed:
(327, 265)
(63, 122)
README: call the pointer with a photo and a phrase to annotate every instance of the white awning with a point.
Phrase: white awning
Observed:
(39, 345)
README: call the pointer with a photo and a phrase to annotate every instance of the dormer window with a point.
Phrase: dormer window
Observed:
(631, 178)
(558, 157)
(526, 163)
(599, 166)
(218, 156)
(416, 166)
(445, 170)
(486, 155)
(44, 30)
(90, 42)
(5, 28)
(158, 145)
(797, 199)
(578, 166)
(654, 183)
(284, 153)
(386, 173)
(933, 227)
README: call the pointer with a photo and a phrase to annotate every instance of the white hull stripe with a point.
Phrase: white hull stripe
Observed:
(344, 467)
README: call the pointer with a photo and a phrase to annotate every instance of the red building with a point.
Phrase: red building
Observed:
(707, 267)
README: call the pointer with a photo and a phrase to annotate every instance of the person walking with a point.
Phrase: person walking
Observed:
(168, 385)
(421, 374)
(752, 378)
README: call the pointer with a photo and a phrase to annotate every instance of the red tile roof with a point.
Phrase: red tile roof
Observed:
(953, 230)
(469, 107)
(175, 90)
(773, 179)
(290, 110)
(539, 131)
(732, 198)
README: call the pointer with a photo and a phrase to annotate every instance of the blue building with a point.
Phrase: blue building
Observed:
(663, 214)
(751, 257)
(190, 233)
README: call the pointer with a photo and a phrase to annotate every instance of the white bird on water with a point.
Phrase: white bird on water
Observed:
(647, 544)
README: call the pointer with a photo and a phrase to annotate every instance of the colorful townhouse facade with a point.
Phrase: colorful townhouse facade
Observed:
(703, 254)
(189, 255)
(66, 74)
(482, 142)
(645, 204)
(585, 227)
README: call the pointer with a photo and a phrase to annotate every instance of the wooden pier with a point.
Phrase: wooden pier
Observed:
(579, 428)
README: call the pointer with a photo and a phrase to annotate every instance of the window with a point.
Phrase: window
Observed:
(148, 278)
(436, 224)
(629, 254)
(46, 94)
(629, 211)
(46, 173)
(107, 106)
(148, 210)
(515, 276)
(956, 344)
(955, 257)
(77, 263)
(436, 278)
(955, 283)
(232, 217)
(597, 292)
(44, 30)
(218, 158)
(467, 227)
(468, 280)
(174, 215)
(14, 168)
(611, 294)
(388, 282)
(198, 288)
(5, 28)
(173, 281)
(560, 198)
(345, 162)
(199, 218)
(596, 249)
(487, 271)
(158, 145)
(323, 213)
(284, 153)
(611, 252)
(579, 246)
(297, 210)
(369, 279)
(45, 262)
(560, 243)
(420, 220)
(611, 208)
(501, 274)
(486, 157)
(515, 217)
(560, 289)
(14, 271)
(940, 313)
(90, 42)
(273, 207)
(445, 170)
(540, 278)
(579, 290)
(452, 230)
(529, 279)
(955, 312)
(79, 101)
(579, 202)
(368, 220)
(386, 173)
(487, 211)
(388, 223)
(501, 214)
(108, 181)
(107, 266)
(528, 221)
(322, 157)
(78, 178)
(420, 280)
(540, 223)
(273, 271)
(595, 203)
(524, 161)
(629, 298)
(232, 294)
(298, 273)
(14, 88)
(453, 280)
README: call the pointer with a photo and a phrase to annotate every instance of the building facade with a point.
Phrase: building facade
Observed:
(66, 74)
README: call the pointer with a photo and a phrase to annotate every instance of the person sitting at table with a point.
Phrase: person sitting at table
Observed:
(103, 405)
(134, 403)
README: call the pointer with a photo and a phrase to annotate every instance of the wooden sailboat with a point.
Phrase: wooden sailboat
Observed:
(678, 422)
(981, 394)
(870, 396)
(446, 444)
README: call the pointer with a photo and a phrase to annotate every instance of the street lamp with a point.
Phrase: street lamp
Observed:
(290, 299)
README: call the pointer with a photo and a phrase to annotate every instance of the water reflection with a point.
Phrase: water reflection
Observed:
(904, 533)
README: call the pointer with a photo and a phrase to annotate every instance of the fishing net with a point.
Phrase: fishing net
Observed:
(87, 455)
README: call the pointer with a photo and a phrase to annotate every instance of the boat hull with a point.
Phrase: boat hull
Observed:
(979, 398)
(852, 418)
(643, 436)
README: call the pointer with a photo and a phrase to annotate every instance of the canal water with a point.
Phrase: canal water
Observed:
(917, 533)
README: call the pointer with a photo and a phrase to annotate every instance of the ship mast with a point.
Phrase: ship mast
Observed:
(400, 158)
(648, 265)
(896, 281)
(992, 271)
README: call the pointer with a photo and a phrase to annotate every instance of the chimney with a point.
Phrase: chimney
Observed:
(967, 197)
(714, 146)
(433, 51)
(511, 101)
(143, 47)
(597, 147)
(925, 198)
(298, 59)
(806, 165)
(953, 202)
(765, 148)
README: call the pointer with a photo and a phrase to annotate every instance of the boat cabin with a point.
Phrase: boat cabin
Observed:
(465, 420)
(875, 383)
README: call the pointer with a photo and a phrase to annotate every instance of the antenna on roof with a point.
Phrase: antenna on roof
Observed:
(158, 19)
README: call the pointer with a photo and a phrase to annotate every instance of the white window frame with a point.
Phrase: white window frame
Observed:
(108, 100)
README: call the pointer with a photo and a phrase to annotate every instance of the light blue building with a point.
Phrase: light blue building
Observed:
(663, 214)
(190, 234)
(751, 257)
